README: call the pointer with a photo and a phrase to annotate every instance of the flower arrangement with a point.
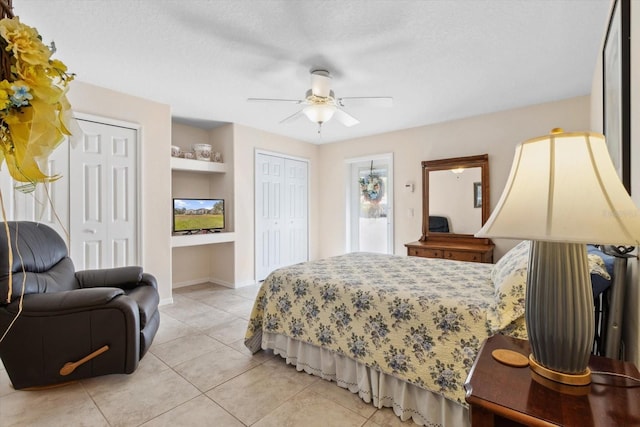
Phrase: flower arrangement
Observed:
(372, 188)
(34, 110)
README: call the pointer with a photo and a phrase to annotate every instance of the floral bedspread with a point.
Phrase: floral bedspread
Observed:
(419, 319)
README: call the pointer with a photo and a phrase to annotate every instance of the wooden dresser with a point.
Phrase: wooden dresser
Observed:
(459, 249)
(445, 240)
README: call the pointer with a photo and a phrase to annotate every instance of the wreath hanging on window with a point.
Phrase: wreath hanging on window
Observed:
(372, 187)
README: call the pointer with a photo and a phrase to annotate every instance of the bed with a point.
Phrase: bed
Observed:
(402, 332)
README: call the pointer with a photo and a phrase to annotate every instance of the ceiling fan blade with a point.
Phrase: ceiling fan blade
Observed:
(292, 117)
(320, 83)
(345, 118)
(366, 101)
(291, 101)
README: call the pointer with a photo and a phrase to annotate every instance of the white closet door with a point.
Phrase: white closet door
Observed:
(281, 213)
(103, 197)
(296, 203)
(269, 220)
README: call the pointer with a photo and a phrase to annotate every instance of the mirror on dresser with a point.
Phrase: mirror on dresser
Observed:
(455, 205)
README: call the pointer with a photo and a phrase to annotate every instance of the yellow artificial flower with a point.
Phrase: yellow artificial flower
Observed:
(39, 82)
(5, 93)
(58, 66)
(35, 112)
(32, 138)
(24, 42)
(58, 73)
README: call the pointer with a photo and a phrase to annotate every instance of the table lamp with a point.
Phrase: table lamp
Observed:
(562, 193)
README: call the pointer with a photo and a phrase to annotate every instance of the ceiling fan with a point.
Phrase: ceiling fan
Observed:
(321, 103)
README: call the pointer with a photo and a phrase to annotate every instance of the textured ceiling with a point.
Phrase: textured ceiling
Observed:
(440, 60)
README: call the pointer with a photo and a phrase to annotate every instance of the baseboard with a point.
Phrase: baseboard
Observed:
(231, 285)
(166, 301)
(191, 282)
(245, 284)
(213, 280)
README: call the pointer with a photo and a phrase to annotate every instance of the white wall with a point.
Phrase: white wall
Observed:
(155, 120)
(496, 134)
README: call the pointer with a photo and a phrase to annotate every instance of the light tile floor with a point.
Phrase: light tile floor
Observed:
(197, 373)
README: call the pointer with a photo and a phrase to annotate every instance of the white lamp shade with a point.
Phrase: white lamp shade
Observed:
(564, 188)
(319, 113)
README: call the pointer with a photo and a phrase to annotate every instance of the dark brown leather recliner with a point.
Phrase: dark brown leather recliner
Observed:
(105, 319)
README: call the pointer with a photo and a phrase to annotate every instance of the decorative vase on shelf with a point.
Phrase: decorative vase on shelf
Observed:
(202, 151)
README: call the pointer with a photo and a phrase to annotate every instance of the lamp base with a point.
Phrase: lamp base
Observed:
(580, 379)
(573, 390)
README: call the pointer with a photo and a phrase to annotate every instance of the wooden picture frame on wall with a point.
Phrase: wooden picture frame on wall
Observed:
(616, 95)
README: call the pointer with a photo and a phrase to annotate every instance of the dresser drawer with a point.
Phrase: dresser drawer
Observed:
(463, 256)
(466, 249)
(425, 253)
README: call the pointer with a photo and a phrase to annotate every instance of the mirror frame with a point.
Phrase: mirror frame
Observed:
(481, 161)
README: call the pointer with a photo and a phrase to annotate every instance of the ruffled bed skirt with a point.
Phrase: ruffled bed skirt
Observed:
(408, 401)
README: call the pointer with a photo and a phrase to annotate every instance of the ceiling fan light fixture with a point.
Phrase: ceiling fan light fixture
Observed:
(319, 113)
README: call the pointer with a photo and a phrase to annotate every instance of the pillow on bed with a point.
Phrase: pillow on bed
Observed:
(509, 277)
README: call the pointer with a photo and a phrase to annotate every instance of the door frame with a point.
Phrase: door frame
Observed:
(349, 193)
(258, 151)
(139, 252)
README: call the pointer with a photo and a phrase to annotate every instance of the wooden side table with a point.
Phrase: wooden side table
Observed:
(500, 395)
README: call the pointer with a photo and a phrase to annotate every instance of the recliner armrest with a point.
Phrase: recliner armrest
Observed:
(67, 301)
(119, 277)
(149, 280)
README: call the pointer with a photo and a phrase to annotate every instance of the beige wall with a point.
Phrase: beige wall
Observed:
(185, 136)
(631, 322)
(246, 142)
(496, 134)
(222, 256)
(155, 121)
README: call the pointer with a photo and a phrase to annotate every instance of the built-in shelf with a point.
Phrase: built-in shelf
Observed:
(190, 165)
(181, 240)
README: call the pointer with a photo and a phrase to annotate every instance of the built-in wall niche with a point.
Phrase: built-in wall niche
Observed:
(200, 179)
(204, 257)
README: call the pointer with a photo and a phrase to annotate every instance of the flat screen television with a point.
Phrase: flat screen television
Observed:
(192, 215)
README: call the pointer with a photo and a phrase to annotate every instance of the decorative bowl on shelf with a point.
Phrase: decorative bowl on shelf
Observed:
(202, 151)
(188, 155)
(175, 151)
